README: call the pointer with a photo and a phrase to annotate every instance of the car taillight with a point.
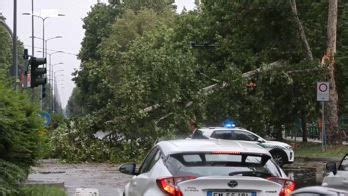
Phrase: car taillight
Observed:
(288, 185)
(169, 185)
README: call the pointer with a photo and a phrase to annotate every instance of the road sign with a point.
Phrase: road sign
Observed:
(323, 91)
(47, 118)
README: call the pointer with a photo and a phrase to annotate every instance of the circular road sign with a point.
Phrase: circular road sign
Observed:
(323, 87)
(323, 91)
(47, 118)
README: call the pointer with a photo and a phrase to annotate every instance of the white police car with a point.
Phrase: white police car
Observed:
(207, 168)
(281, 152)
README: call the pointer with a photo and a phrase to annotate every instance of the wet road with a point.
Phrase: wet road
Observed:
(104, 177)
(110, 182)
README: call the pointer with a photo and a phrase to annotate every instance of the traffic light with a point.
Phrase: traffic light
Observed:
(37, 74)
(25, 54)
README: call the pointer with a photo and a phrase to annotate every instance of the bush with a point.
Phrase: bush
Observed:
(10, 175)
(19, 135)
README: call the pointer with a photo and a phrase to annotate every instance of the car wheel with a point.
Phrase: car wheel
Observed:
(279, 157)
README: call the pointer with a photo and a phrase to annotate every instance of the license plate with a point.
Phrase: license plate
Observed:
(231, 193)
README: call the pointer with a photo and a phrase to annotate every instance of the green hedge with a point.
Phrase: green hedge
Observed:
(20, 124)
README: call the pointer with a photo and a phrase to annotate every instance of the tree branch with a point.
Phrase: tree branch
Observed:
(301, 30)
(212, 88)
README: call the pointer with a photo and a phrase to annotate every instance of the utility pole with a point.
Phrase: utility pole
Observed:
(14, 42)
(32, 28)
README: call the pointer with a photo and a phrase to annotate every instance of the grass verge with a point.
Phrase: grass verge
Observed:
(313, 150)
(42, 190)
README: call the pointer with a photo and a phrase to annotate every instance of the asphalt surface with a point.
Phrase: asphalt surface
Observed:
(104, 177)
(110, 182)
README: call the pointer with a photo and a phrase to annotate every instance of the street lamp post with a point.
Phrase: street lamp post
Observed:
(43, 39)
(52, 80)
(43, 29)
(51, 70)
(59, 86)
(54, 89)
(14, 41)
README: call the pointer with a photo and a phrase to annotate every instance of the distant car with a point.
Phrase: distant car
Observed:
(207, 168)
(281, 152)
(319, 191)
(338, 176)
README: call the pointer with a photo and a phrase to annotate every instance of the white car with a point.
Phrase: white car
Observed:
(335, 184)
(338, 176)
(281, 152)
(207, 168)
(319, 191)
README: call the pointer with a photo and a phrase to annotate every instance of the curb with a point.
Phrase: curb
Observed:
(45, 183)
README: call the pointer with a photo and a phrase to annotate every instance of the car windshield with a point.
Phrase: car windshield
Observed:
(217, 164)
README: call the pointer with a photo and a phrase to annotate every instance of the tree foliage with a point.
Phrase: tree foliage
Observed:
(5, 52)
(20, 124)
(151, 56)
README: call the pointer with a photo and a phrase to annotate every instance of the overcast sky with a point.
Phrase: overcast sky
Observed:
(68, 26)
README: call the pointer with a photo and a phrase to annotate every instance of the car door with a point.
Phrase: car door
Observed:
(140, 183)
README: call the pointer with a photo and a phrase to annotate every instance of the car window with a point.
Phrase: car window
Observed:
(150, 160)
(198, 134)
(344, 164)
(243, 135)
(222, 134)
(209, 164)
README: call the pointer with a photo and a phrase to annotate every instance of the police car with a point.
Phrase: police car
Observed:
(207, 168)
(281, 152)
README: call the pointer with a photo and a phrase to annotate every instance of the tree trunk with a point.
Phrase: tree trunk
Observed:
(329, 61)
(304, 126)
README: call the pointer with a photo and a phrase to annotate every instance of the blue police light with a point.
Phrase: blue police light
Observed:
(229, 123)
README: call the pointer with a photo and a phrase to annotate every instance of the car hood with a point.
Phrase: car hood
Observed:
(275, 144)
(340, 180)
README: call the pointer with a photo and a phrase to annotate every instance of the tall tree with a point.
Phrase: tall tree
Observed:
(329, 61)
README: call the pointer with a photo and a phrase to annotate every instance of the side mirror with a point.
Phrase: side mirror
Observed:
(128, 168)
(260, 140)
(331, 167)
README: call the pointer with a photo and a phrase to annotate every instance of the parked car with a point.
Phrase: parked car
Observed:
(338, 176)
(207, 168)
(319, 191)
(281, 152)
(336, 183)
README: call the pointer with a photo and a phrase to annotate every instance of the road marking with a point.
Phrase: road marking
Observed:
(86, 192)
